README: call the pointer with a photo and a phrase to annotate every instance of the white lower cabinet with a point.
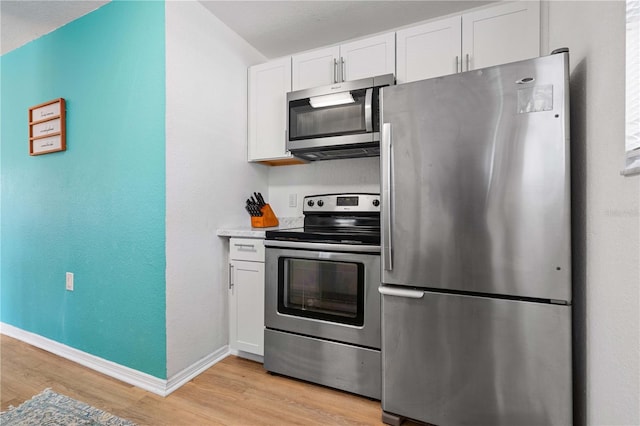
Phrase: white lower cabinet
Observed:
(246, 295)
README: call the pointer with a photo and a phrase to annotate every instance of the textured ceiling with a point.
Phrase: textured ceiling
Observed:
(275, 28)
(278, 28)
(24, 20)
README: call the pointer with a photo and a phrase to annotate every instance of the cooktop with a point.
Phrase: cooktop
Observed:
(348, 218)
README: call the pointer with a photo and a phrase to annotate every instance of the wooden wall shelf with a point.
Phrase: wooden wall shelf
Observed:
(47, 128)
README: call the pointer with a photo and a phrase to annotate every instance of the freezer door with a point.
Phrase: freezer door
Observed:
(464, 360)
(475, 181)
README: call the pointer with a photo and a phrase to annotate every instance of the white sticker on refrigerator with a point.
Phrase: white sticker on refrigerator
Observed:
(535, 99)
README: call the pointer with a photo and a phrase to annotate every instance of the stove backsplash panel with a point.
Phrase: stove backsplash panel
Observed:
(321, 177)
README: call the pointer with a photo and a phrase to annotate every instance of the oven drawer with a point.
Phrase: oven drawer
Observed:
(250, 249)
(347, 367)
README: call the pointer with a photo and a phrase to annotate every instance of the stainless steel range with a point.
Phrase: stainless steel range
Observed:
(322, 306)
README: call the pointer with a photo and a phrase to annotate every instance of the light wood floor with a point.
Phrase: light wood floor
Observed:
(233, 392)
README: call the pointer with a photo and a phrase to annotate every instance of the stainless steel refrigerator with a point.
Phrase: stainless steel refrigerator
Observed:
(476, 247)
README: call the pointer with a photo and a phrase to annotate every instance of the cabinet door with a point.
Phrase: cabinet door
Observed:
(369, 57)
(246, 306)
(317, 68)
(429, 50)
(501, 34)
(268, 86)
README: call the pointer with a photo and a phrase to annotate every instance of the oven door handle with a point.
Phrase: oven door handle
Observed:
(358, 248)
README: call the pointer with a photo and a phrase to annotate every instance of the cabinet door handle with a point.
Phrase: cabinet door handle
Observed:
(247, 246)
(342, 73)
(230, 276)
(335, 70)
(458, 65)
(468, 62)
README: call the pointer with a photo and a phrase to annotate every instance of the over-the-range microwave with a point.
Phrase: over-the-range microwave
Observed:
(336, 121)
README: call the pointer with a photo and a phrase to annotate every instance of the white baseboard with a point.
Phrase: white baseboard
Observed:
(162, 387)
(184, 376)
(247, 355)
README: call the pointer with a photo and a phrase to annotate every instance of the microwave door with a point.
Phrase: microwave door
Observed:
(337, 121)
(317, 116)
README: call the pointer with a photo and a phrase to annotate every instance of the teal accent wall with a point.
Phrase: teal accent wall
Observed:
(98, 208)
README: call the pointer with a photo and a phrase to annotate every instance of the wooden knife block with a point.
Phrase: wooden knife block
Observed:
(268, 218)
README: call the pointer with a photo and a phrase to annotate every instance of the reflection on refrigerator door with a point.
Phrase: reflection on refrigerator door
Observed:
(454, 360)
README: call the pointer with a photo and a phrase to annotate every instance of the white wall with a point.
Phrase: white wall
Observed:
(321, 177)
(207, 178)
(607, 223)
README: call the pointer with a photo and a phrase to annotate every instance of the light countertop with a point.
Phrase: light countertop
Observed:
(249, 232)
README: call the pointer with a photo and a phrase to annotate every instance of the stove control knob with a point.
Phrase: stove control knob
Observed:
(376, 203)
(320, 203)
(310, 203)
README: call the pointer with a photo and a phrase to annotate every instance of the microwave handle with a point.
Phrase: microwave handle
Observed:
(368, 114)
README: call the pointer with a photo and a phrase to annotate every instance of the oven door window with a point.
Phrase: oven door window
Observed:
(307, 122)
(326, 290)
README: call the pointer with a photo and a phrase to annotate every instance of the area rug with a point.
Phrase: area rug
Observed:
(52, 409)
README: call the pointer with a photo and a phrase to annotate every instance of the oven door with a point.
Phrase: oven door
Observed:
(324, 294)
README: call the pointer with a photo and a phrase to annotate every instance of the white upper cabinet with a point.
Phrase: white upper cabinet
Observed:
(429, 50)
(494, 35)
(268, 87)
(316, 68)
(483, 38)
(350, 61)
(501, 34)
(369, 57)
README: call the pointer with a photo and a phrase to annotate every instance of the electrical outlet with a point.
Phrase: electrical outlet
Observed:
(69, 281)
(293, 200)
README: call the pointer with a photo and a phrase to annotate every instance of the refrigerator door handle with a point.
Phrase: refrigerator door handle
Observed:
(387, 259)
(401, 292)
